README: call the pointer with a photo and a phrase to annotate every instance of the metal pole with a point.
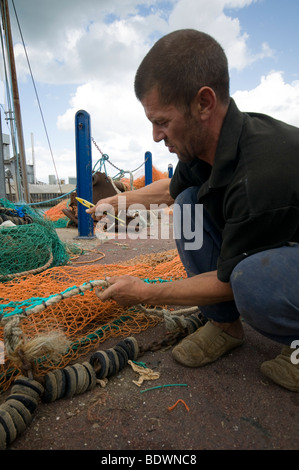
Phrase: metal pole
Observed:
(2, 167)
(84, 172)
(16, 101)
(148, 168)
(33, 158)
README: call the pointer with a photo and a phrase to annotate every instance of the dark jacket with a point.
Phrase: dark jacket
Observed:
(252, 190)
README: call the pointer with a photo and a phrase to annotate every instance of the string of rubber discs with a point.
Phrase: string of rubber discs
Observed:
(17, 412)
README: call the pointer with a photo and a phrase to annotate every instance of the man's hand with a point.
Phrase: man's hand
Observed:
(202, 289)
(102, 207)
(125, 290)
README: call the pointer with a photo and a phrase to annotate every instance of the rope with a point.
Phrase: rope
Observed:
(172, 319)
(23, 353)
(49, 200)
(40, 304)
(89, 261)
(32, 271)
(118, 191)
(105, 158)
(13, 333)
(163, 386)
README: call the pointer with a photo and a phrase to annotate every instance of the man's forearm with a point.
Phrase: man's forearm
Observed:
(155, 193)
(203, 289)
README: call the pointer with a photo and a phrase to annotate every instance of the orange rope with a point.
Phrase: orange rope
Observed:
(170, 408)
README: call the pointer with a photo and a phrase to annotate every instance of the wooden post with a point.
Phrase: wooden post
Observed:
(16, 99)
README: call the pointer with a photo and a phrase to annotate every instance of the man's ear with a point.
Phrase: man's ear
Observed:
(204, 102)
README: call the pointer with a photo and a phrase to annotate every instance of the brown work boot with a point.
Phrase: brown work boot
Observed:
(282, 370)
(206, 345)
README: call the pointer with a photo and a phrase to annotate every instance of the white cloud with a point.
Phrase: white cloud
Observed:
(107, 56)
(77, 44)
(118, 125)
(272, 96)
(210, 17)
(70, 43)
(122, 131)
(65, 163)
(98, 45)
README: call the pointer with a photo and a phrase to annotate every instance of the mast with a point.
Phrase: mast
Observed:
(16, 98)
(33, 158)
(2, 167)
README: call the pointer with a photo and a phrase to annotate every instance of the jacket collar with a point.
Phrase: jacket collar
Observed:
(226, 152)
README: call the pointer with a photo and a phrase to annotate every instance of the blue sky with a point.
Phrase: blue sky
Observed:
(84, 56)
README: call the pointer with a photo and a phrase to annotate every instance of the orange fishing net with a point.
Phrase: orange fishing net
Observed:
(55, 213)
(84, 319)
(140, 181)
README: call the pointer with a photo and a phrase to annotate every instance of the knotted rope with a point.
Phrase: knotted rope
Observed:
(23, 352)
(172, 319)
(6, 277)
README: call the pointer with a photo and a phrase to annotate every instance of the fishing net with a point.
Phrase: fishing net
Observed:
(29, 242)
(41, 295)
(62, 299)
(56, 214)
(139, 182)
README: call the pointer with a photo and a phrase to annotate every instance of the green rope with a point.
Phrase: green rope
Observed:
(163, 386)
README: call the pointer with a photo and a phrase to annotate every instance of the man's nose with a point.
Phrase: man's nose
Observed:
(158, 133)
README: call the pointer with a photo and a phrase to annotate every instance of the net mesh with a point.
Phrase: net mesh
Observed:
(84, 319)
(34, 270)
(139, 182)
(56, 214)
(29, 242)
(60, 220)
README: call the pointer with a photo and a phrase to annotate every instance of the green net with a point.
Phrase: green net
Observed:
(29, 242)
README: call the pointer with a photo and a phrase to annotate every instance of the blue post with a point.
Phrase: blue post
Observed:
(84, 172)
(148, 168)
(170, 170)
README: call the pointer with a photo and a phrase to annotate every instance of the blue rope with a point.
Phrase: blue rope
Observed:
(44, 202)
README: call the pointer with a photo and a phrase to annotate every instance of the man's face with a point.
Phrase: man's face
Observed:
(182, 133)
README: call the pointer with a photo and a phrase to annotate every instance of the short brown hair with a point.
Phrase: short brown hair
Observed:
(179, 64)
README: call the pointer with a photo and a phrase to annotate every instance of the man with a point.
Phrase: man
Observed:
(244, 169)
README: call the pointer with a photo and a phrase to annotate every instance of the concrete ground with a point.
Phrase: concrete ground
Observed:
(227, 405)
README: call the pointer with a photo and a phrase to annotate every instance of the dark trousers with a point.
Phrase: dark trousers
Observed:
(265, 285)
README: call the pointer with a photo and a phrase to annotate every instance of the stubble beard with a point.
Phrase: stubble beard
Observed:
(196, 142)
